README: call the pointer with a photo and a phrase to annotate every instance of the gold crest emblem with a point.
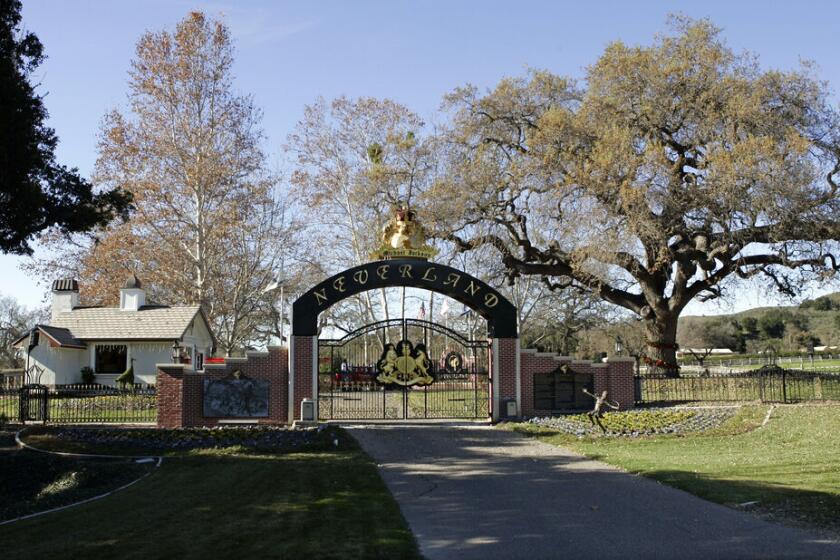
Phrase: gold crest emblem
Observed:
(404, 364)
(404, 236)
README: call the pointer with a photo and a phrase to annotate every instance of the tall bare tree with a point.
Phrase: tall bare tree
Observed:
(671, 170)
(355, 160)
(208, 226)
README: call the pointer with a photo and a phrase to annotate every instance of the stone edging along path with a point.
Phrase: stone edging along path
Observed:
(137, 459)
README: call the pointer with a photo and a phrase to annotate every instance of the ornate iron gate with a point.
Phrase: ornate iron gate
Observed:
(34, 403)
(403, 369)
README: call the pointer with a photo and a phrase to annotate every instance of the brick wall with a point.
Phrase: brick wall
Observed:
(180, 391)
(302, 368)
(506, 383)
(615, 377)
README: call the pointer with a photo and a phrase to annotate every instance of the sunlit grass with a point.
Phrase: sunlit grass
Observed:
(789, 467)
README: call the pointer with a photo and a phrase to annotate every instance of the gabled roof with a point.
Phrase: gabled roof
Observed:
(62, 338)
(110, 323)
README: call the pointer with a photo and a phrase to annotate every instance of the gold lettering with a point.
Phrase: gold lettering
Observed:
(491, 300)
(428, 276)
(405, 271)
(321, 296)
(382, 271)
(361, 276)
(471, 288)
(338, 284)
(452, 279)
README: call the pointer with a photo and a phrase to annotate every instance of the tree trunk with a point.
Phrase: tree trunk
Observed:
(661, 353)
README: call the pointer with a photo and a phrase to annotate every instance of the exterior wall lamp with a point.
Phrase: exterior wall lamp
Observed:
(176, 353)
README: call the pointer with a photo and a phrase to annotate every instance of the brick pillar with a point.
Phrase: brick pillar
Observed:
(601, 379)
(506, 375)
(303, 363)
(170, 396)
(621, 382)
(278, 364)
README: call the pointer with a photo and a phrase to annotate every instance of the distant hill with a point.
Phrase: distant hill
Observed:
(818, 317)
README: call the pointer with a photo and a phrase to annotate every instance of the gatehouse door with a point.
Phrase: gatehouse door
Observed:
(403, 369)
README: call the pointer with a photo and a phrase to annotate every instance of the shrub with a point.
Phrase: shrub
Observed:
(88, 377)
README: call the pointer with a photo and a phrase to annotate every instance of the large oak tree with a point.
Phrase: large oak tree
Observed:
(670, 170)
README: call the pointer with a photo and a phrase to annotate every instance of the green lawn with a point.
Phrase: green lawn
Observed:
(721, 388)
(223, 504)
(94, 409)
(790, 466)
(795, 364)
(433, 402)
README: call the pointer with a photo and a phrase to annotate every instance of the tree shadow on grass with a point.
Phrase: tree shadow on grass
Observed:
(222, 504)
(795, 507)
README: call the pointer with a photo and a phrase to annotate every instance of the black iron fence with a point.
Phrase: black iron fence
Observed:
(768, 384)
(78, 404)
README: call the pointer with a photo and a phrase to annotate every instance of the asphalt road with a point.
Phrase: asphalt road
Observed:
(478, 492)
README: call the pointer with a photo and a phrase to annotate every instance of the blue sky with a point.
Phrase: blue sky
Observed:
(289, 53)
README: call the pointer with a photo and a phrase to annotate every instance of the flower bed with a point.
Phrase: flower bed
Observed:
(262, 438)
(643, 422)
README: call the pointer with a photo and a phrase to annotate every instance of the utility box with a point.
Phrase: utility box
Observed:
(307, 410)
(509, 408)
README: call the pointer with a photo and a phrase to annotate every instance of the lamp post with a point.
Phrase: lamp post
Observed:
(619, 347)
(176, 353)
(771, 355)
(811, 352)
(34, 340)
(279, 283)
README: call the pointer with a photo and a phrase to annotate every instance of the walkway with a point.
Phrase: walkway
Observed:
(478, 492)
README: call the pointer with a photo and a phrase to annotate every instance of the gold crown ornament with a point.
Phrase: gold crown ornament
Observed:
(403, 237)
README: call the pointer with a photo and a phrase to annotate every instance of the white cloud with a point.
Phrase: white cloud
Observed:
(251, 25)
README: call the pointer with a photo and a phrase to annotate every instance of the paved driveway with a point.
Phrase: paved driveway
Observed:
(478, 492)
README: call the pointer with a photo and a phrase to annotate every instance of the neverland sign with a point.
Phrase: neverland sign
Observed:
(472, 292)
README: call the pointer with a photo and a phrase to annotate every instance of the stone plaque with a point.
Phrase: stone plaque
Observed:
(236, 398)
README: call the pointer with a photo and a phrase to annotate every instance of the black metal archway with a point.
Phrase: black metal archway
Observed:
(459, 285)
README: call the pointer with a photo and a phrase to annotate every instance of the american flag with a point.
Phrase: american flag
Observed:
(422, 313)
